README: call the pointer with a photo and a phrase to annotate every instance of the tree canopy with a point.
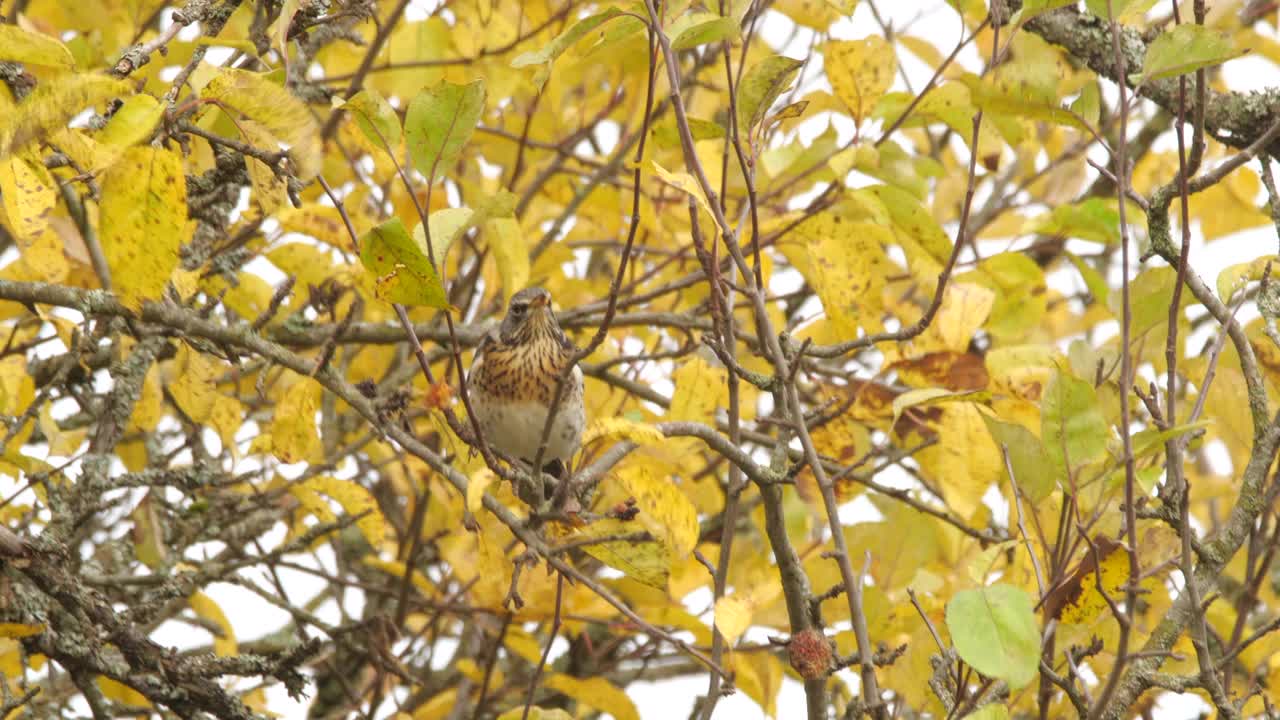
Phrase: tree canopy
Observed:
(912, 381)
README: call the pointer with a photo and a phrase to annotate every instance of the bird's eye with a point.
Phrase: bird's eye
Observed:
(518, 310)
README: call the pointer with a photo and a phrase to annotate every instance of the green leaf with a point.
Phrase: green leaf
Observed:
(24, 46)
(761, 86)
(912, 218)
(667, 136)
(376, 118)
(449, 224)
(446, 226)
(404, 273)
(1152, 441)
(1008, 97)
(143, 215)
(709, 31)
(1031, 467)
(1151, 294)
(439, 123)
(1107, 9)
(1072, 427)
(1236, 277)
(1093, 279)
(1094, 219)
(994, 630)
(1020, 300)
(1184, 49)
(263, 100)
(565, 40)
(1088, 105)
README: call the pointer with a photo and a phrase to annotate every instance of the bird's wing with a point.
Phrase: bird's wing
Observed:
(488, 341)
(565, 342)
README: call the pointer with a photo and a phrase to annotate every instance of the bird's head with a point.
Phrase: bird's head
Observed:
(529, 317)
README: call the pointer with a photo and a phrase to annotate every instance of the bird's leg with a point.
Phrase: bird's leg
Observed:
(556, 468)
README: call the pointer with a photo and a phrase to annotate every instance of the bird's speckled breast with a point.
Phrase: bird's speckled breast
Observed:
(525, 371)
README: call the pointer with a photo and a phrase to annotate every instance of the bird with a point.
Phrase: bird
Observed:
(513, 383)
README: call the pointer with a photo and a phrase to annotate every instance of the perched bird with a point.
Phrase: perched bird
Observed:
(513, 381)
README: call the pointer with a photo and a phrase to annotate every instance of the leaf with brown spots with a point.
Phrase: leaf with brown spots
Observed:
(144, 213)
(951, 370)
(860, 72)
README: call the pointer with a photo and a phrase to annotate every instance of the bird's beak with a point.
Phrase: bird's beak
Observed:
(540, 301)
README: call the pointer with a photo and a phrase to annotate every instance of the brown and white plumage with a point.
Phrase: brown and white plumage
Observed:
(513, 382)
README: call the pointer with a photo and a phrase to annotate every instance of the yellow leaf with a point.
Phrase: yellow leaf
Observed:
(310, 264)
(596, 693)
(132, 123)
(760, 677)
(185, 282)
(616, 428)
(121, 693)
(147, 533)
(535, 713)
(355, 500)
(438, 707)
(921, 48)
(144, 213)
(268, 188)
(256, 700)
(646, 562)
(249, 297)
(480, 480)
(294, 437)
(700, 389)
(506, 241)
(524, 645)
(685, 183)
(665, 511)
(965, 461)
(816, 14)
(192, 387)
(1228, 207)
(61, 442)
(225, 418)
(312, 502)
(965, 307)
(1089, 604)
(847, 266)
(10, 659)
(1235, 277)
(860, 72)
(279, 111)
(733, 616)
(24, 46)
(19, 630)
(150, 404)
(52, 105)
(469, 669)
(45, 259)
(29, 194)
(318, 221)
(224, 644)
